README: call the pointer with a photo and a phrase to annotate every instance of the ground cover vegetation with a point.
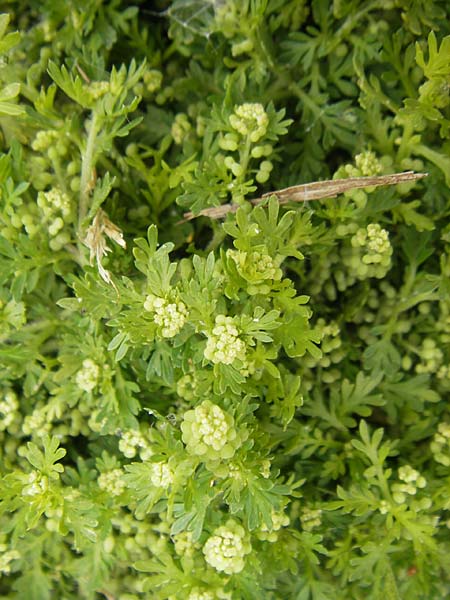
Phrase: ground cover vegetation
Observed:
(251, 407)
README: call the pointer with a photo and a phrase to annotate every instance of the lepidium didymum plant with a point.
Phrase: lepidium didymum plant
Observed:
(210, 391)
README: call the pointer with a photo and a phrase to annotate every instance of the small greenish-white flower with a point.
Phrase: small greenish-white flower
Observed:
(440, 446)
(161, 475)
(169, 316)
(130, 441)
(368, 164)
(229, 142)
(186, 387)
(9, 410)
(370, 255)
(37, 423)
(6, 558)
(180, 128)
(225, 550)
(311, 518)
(431, 357)
(201, 594)
(184, 546)
(153, 80)
(224, 345)
(279, 520)
(44, 139)
(259, 269)
(250, 119)
(55, 201)
(57, 211)
(97, 89)
(88, 376)
(112, 482)
(54, 517)
(412, 480)
(263, 174)
(444, 372)
(35, 484)
(209, 432)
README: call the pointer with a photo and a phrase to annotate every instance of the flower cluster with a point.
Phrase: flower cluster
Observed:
(54, 517)
(36, 484)
(440, 446)
(169, 316)
(311, 518)
(209, 432)
(87, 377)
(279, 520)
(44, 140)
(37, 422)
(412, 480)
(184, 546)
(258, 268)
(57, 212)
(431, 357)
(367, 164)
(97, 89)
(161, 475)
(330, 345)
(201, 594)
(226, 548)
(370, 253)
(153, 80)
(131, 442)
(9, 410)
(112, 482)
(224, 345)
(180, 128)
(6, 556)
(250, 119)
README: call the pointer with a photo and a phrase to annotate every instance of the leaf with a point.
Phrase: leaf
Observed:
(410, 216)
(382, 357)
(46, 461)
(74, 87)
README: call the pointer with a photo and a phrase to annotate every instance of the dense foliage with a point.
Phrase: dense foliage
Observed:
(247, 408)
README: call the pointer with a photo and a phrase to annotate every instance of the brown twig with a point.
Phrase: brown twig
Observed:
(317, 190)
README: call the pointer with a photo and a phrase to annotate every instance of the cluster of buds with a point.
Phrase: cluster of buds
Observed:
(224, 345)
(370, 252)
(169, 316)
(431, 357)
(131, 442)
(258, 269)
(411, 480)
(279, 520)
(225, 550)
(87, 377)
(112, 482)
(161, 475)
(440, 446)
(209, 432)
(250, 119)
(57, 212)
(311, 518)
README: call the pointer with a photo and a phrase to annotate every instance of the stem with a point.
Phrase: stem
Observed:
(87, 166)
(399, 307)
(244, 158)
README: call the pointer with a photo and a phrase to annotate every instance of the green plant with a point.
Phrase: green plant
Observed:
(239, 408)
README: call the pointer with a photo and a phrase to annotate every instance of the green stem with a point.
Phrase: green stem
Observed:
(244, 158)
(399, 307)
(87, 166)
